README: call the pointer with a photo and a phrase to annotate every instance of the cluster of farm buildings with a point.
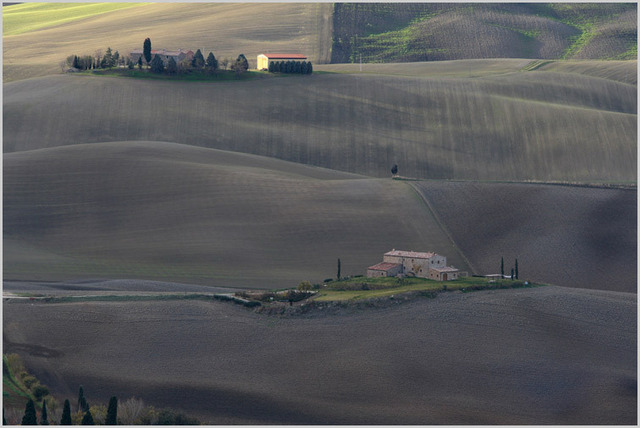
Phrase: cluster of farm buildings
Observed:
(181, 55)
(412, 263)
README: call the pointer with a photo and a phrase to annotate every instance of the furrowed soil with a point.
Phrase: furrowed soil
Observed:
(567, 235)
(474, 120)
(172, 212)
(548, 355)
(154, 210)
(226, 29)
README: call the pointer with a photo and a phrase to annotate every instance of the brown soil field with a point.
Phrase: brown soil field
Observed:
(163, 211)
(548, 355)
(171, 212)
(226, 29)
(541, 125)
(571, 236)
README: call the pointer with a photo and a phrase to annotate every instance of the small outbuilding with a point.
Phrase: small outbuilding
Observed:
(384, 269)
(265, 59)
(445, 273)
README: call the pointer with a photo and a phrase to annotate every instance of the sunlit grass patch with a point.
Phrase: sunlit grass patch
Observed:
(22, 18)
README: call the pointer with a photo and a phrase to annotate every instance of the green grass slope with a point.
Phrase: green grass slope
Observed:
(548, 355)
(226, 29)
(26, 17)
(172, 212)
(473, 120)
(570, 236)
(384, 32)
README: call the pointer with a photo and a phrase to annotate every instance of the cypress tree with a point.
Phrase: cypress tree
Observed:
(30, 417)
(516, 268)
(502, 266)
(244, 63)
(140, 62)
(112, 412)
(82, 402)
(197, 61)
(339, 269)
(157, 66)
(309, 68)
(87, 419)
(146, 50)
(44, 420)
(511, 273)
(283, 67)
(172, 67)
(212, 62)
(66, 414)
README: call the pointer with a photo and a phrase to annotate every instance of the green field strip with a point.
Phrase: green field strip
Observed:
(26, 17)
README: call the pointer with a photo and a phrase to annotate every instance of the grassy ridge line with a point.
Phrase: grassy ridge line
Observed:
(27, 17)
(390, 287)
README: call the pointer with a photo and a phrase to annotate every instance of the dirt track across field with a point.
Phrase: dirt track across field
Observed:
(547, 355)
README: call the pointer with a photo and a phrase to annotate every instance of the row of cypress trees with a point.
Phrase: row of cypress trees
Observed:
(297, 67)
(30, 416)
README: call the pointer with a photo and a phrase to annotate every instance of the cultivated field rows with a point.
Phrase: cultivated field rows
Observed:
(518, 126)
(547, 355)
(166, 211)
(572, 236)
(227, 29)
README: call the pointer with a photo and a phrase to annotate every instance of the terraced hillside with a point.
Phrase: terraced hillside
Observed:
(34, 43)
(165, 211)
(482, 119)
(549, 355)
(386, 32)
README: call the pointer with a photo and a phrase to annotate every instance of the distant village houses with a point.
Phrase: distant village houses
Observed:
(411, 263)
(178, 55)
(265, 59)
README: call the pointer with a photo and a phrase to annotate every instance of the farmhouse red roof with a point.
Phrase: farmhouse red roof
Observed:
(284, 56)
(411, 254)
(385, 266)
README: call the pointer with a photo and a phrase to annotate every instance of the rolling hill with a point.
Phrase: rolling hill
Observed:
(477, 120)
(549, 355)
(36, 45)
(173, 212)
(385, 32)
(37, 38)
(170, 212)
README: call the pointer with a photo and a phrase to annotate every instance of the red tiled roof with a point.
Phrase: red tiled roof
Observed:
(385, 266)
(284, 56)
(411, 254)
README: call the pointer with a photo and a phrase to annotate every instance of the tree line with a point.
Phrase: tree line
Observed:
(131, 412)
(155, 64)
(296, 67)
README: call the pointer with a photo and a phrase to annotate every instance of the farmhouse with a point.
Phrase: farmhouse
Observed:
(164, 55)
(423, 265)
(265, 59)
